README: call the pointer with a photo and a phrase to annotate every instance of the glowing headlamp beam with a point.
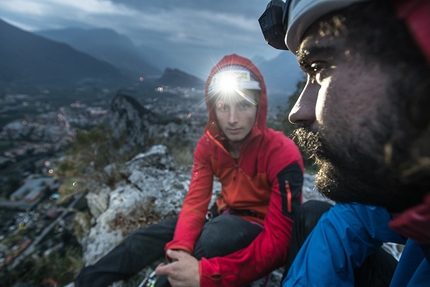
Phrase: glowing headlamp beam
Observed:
(228, 84)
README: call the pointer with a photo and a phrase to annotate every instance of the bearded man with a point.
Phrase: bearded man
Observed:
(364, 116)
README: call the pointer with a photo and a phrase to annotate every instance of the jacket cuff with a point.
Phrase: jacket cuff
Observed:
(210, 274)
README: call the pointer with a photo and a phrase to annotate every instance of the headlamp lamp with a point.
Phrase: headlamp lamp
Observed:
(227, 82)
(233, 81)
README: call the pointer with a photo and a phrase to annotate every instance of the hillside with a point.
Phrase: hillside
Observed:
(31, 59)
(107, 45)
(177, 78)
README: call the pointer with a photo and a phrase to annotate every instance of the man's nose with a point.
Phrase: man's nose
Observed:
(303, 111)
(233, 116)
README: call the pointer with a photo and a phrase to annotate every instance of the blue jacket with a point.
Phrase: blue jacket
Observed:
(341, 241)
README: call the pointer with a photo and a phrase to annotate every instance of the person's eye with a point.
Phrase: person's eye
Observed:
(318, 66)
(221, 107)
(316, 70)
(244, 105)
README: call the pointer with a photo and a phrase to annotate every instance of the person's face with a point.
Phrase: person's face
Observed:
(236, 115)
(343, 94)
(348, 120)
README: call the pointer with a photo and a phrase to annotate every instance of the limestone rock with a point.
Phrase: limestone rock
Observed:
(153, 183)
(129, 119)
(136, 125)
(309, 190)
(98, 201)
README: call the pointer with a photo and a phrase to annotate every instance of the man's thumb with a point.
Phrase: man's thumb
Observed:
(159, 270)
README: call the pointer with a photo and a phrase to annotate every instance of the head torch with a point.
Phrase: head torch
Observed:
(232, 81)
(274, 25)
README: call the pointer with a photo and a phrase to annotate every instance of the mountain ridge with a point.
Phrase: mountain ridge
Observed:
(107, 45)
(36, 59)
(31, 59)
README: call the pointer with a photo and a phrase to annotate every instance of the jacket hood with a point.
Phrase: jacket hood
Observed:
(260, 123)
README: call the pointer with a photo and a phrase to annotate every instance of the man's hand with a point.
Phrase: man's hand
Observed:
(182, 272)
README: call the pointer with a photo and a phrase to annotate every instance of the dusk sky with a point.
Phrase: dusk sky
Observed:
(198, 32)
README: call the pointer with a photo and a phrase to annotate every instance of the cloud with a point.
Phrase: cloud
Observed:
(47, 7)
(192, 21)
(53, 14)
(24, 7)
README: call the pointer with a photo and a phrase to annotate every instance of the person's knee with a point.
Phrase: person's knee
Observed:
(223, 235)
(310, 212)
(314, 207)
(230, 227)
(212, 233)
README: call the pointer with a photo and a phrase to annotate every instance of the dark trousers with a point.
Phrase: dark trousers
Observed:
(220, 236)
(376, 271)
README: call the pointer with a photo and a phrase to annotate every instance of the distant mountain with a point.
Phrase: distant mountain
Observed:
(107, 45)
(177, 78)
(31, 59)
(26, 57)
(160, 59)
(281, 75)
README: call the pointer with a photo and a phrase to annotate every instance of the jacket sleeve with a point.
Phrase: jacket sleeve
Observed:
(195, 206)
(269, 249)
(339, 243)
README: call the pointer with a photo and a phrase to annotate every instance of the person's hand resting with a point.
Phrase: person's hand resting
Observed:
(182, 272)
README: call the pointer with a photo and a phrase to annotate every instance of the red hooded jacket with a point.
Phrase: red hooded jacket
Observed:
(267, 179)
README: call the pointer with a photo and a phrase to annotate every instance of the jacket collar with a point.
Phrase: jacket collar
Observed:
(414, 223)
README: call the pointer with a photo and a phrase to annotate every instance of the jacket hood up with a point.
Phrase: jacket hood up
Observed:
(212, 126)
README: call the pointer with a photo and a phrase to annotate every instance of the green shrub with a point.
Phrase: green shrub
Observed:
(88, 155)
(60, 266)
(182, 156)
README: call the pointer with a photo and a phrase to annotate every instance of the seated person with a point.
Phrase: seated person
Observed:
(261, 173)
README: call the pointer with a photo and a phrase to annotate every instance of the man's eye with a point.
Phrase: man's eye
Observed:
(244, 105)
(221, 107)
(317, 67)
(318, 71)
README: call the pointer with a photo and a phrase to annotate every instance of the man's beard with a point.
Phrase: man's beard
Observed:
(358, 172)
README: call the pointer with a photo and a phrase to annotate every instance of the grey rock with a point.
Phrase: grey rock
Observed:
(309, 190)
(132, 122)
(98, 201)
(156, 157)
(152, 179)
(128, 116)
